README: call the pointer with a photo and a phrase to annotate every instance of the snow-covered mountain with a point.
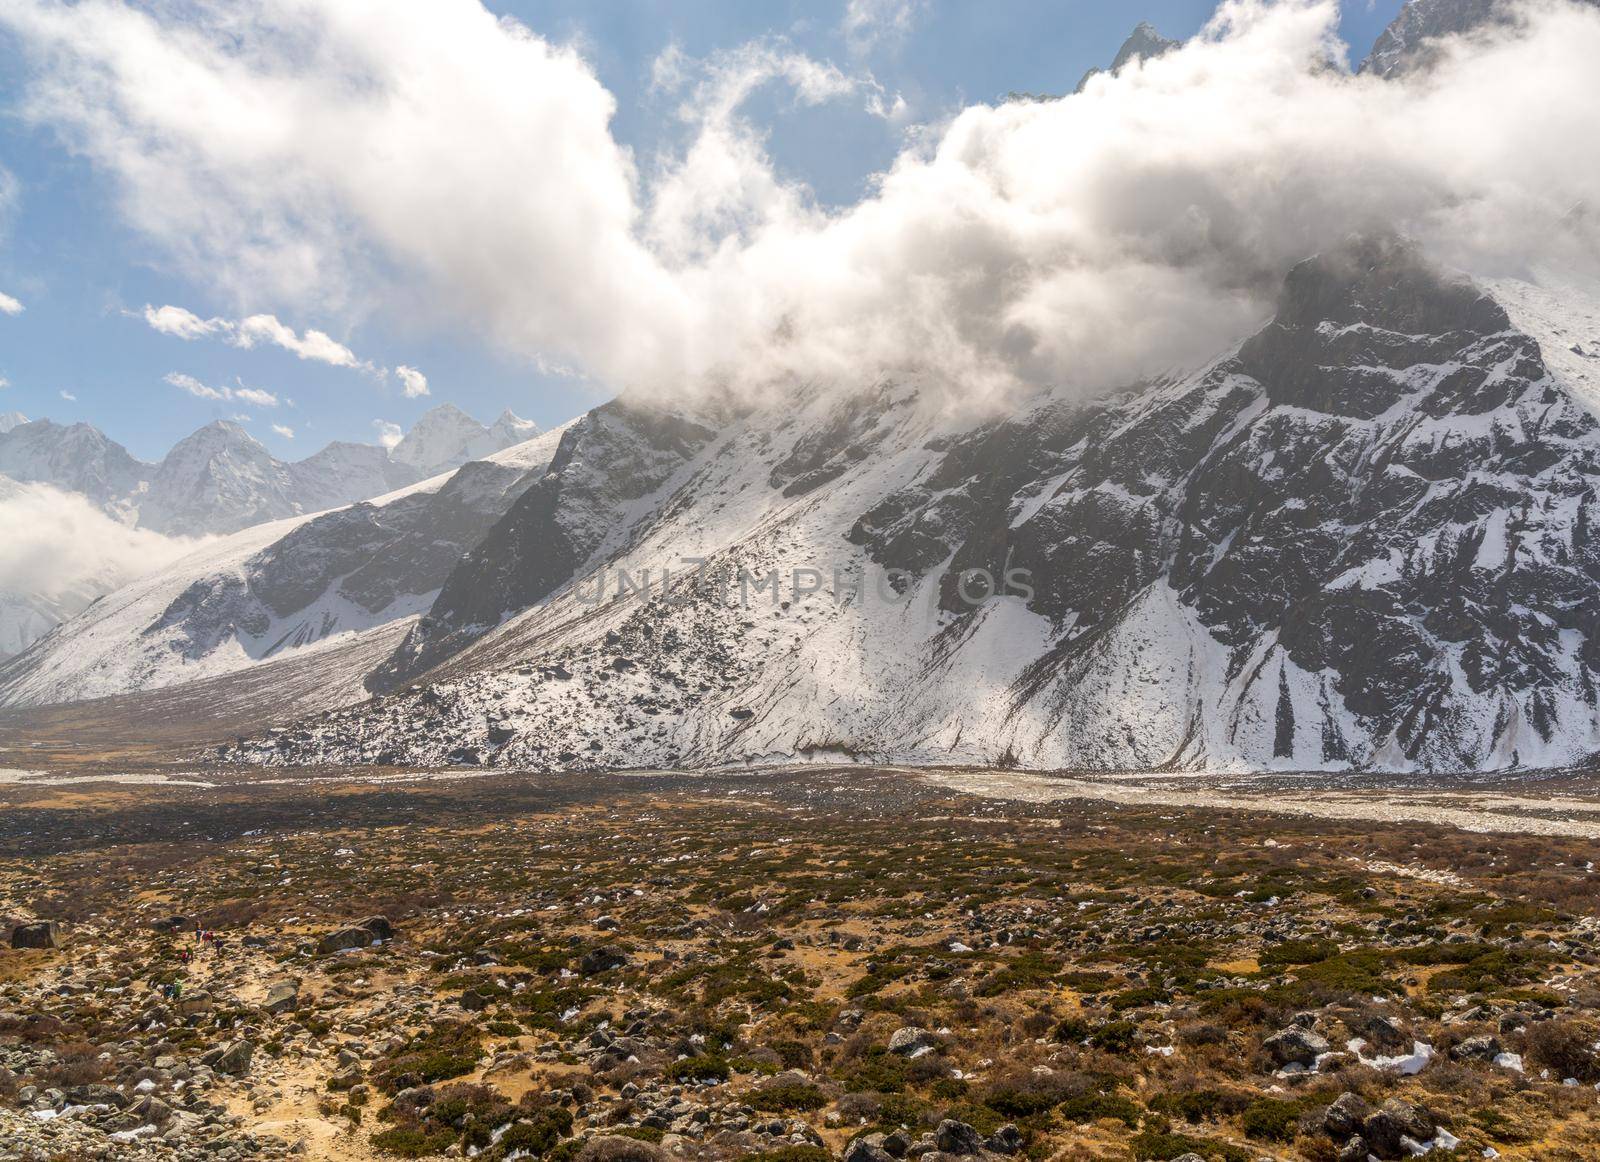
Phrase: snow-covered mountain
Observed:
(76, 457)
(1365, 537)
(447, 436)
(9, 420)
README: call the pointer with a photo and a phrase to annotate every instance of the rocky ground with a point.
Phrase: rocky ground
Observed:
(799, 965)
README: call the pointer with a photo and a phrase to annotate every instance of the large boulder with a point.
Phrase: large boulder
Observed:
(42, 934)
(1484, 1047)
(603, 959)
(196, 1004)
(1383, 1034)
(379, 926)
(1346, 1116)
(283, 997)
(361, 934)
(1295, 1046)
(234, 1059)
(958, 1138)
(912, 1040)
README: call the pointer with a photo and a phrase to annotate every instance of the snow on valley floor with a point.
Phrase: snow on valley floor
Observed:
(11, 777)
(1542, 804)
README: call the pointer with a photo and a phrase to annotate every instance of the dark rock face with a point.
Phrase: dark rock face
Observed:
(958, 1138)
(365, 555)
(234, 1058)
(379, 926)
(1366, 505)
(612, 458)
(604, 959)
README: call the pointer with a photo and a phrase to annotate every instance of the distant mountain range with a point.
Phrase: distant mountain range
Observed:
(218, 480)
(221, 479)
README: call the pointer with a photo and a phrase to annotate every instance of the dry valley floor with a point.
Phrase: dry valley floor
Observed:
(800, 965)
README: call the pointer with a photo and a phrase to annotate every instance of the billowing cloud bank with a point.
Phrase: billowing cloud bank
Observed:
(322, 151)
(62, 552)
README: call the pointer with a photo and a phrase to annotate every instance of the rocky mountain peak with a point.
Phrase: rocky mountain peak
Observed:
(511, 428)
(440, 438)
(1144, 43)
(1411, 42)
(9, 420)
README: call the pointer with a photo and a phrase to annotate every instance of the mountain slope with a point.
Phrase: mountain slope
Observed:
(219, 479)
(1365, 538)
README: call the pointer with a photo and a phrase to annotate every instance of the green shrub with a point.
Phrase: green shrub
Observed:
(411, 1142)
(1115, 1037)
(1271, 1120)
(788, 1098)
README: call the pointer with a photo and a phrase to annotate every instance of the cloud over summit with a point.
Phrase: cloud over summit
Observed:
(322, 153)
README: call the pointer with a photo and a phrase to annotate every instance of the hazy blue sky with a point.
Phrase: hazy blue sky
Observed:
(83, 275)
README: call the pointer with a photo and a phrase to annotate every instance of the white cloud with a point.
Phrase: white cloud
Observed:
(413, 382)
(68, 396)
(183, 324)
(195, 388)
(9, 305)
(250, 395)
(254, 395)
(1084, 241)
(313, 345)
(869, 23)
(256, 329)
(286, 432)
(4, 383)
(723, 191)
(62, 548)
(389, 434)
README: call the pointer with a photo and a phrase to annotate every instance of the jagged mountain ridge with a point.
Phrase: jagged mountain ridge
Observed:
(1411, 41)
(220, 479)
(1363, 539)
(1144, 43)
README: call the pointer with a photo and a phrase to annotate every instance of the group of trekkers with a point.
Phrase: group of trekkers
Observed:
(203, 938)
